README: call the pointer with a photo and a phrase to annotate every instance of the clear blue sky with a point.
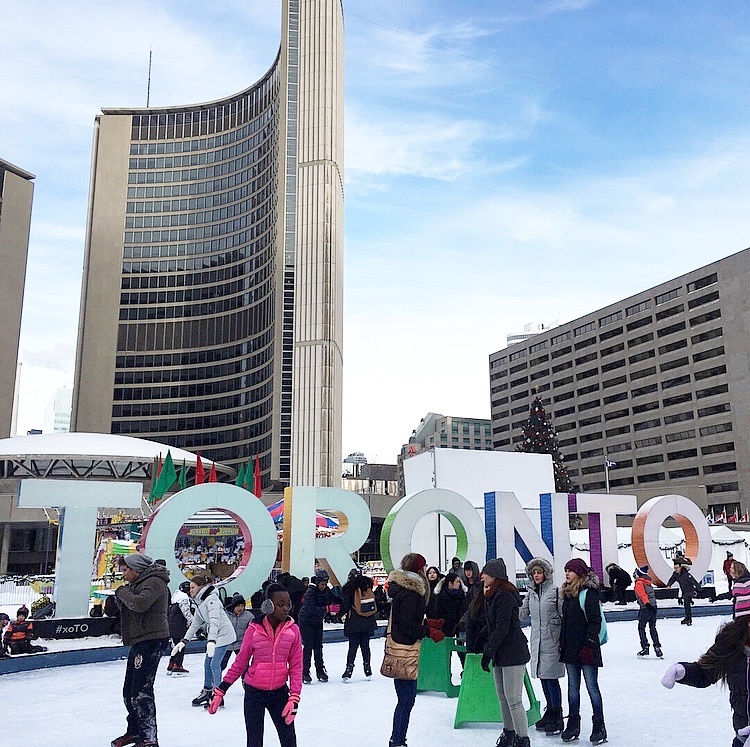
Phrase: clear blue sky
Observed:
(506, 162)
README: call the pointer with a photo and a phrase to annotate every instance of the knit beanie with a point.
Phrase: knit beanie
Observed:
(22, 610)
(137, 562)
(415, 562)
(496, 569)
(641, 572)
(578, 566)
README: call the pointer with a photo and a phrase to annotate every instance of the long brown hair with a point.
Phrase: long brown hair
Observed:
(499, 585)
(572, 588)
(729, 644)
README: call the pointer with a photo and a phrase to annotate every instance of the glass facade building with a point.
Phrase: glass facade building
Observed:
(214, 267)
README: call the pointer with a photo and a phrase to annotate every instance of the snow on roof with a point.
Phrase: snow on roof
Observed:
(91, 445)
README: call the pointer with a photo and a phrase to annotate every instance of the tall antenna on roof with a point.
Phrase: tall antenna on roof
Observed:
(148, 88)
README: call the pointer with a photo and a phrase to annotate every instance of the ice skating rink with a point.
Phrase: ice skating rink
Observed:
(81, 706)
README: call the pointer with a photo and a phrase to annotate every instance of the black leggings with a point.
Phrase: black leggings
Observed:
(358, 641)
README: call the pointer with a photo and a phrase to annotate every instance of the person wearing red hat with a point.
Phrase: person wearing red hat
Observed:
(409, 590)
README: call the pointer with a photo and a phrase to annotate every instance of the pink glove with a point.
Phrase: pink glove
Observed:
(436, 635)
(674, 674)
(290, 709)
(216, 701)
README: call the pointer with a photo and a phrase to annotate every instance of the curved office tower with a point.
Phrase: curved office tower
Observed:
(212, 291)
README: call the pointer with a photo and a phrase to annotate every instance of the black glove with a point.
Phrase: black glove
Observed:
(649, 606)
(486, 661)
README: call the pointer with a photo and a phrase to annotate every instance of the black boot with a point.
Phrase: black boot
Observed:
(657, 651)
(306, 678)
(347, 675)
(203, 698)
(522, 742)
(556, 723)
(541, 725)
(368, 669)
(598, 731)
(322, 675)
(506, 739)
(644, 651)
(573, 729)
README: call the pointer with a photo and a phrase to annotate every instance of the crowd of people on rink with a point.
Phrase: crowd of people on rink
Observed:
(272, 641)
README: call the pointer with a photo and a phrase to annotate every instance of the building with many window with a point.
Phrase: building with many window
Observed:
(211, 314)
(16, 194)
(656, 384)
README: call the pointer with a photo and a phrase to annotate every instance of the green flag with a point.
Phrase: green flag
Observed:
(183, 476)
(167, 477)
(239, 482)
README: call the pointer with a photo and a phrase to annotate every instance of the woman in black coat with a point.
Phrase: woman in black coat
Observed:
(580, 650)
(408, 589)
(361, 620)
(507, 650)
(450, 602)
(727, 660)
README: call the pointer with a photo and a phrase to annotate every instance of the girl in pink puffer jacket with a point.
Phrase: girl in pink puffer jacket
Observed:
(271, 654)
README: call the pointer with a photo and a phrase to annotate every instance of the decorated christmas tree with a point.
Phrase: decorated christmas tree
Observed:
(539, 437)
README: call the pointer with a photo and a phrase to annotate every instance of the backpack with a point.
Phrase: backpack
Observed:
(364, 603)
(603, 635)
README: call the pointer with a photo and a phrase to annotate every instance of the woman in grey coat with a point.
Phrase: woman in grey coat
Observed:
(210, 615)
(541, 605)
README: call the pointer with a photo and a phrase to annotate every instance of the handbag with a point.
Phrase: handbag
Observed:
(400, 661)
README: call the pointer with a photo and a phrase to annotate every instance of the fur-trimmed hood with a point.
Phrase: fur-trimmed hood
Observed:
(590, 582)
(539, 563)
(408, 580)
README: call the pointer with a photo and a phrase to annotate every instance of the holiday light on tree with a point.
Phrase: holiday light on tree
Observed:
(539, 437)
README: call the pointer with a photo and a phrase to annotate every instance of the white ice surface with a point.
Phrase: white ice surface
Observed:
(81, 706)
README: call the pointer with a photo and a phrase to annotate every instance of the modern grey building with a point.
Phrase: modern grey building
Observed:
(657, 383)
(211, 314)
(16, 194)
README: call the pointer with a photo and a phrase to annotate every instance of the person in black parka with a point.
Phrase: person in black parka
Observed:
(689, 587)
(580, 649)
(360, 622)
(450, 603)
(507, 650)
(619, 580)
(727, 660)
(318, 597)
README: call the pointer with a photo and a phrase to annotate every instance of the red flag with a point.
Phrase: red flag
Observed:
(200, 473)
(212, 474)
(257, 487)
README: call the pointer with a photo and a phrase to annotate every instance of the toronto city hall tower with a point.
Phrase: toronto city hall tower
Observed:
(211, 314)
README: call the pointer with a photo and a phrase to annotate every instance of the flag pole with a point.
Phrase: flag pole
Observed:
(606, 471)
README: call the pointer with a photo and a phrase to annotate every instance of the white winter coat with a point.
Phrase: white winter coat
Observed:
(210, 614)
(541, 605)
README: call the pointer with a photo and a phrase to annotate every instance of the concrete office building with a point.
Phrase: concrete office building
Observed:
(657, 383)
(16, 194)
(211, 315)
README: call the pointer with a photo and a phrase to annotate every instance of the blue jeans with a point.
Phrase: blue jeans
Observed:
(591, 675)
(406, 692)
(552, 693)
(212, 668)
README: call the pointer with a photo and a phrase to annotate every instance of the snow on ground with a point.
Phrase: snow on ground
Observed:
(81, 705)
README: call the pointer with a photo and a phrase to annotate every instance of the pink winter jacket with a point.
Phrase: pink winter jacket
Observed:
(273, 655)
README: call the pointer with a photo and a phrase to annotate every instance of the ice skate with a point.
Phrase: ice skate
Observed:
(203, 698)
(368, 670)
(572, 730)
(643, 652)
(347, 675)
(323, 676)
(657, 651)
(598, 732)
(506, 739)
(124, 740)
